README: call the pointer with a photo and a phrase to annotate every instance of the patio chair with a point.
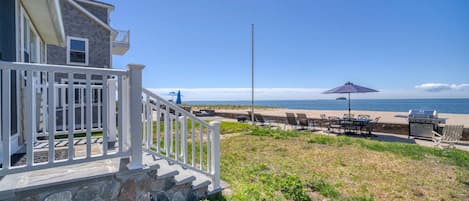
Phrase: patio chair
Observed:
(323, 122)
(303, 120)
(371, 126)
(363, 116)
(334, 124)
(291, 120)
(349, 116)
(451, 134)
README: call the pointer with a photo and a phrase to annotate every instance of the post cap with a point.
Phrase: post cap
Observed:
(215, 123)
(135, 66)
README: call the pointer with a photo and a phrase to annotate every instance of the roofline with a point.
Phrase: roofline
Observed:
(98, 3)
(59, 23)
(87, 13)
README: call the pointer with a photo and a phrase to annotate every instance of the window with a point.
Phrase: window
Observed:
(77, 51)
(31, 42)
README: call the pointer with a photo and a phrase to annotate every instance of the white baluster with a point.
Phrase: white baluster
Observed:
(64, 117)
(208, 150)
(30, 117)
(111, 119)
(51, 121)
(6, 118)
(193, 142)
(201, 146)
(98, 93)
(184, 138)
(71, 116)
(176, 122)
(158, 133)
(149, 124)
(82, 108)
(89, 115)
(121, 106)
(105, 117)
(167, 134)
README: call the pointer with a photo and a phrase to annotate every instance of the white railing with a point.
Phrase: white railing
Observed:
(108, 102)
(61, 108)
(41, 95)
(178, 136)
(121, 36)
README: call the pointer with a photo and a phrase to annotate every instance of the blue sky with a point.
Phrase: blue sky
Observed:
(406, 49)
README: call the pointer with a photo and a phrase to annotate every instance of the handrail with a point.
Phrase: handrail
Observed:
(178, 136)
(180, 110)
(61, 68)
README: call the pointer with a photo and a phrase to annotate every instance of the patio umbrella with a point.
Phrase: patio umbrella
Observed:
(349, 88)
(178, 98)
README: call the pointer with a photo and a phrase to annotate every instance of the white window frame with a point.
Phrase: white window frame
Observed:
(69, 39)
(25, 19)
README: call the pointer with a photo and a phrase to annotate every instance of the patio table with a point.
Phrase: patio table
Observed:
(353, 124)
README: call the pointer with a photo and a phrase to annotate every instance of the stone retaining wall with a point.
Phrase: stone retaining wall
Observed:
(401, 129)
(129, 185)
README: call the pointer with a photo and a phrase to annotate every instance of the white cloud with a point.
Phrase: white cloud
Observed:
(438, 87)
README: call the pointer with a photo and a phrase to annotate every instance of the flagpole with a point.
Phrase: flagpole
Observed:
(252, 74)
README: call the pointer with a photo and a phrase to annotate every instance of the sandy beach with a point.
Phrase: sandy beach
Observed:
(386, 117)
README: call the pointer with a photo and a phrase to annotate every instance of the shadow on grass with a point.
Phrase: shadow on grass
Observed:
(413, 151)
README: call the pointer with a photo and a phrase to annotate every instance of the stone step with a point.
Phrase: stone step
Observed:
(184, 178)
(212, 191)
(164, 170)
(201, 180)
(200, 183)
(181, 175)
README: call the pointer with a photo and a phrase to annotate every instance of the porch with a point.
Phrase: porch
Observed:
(71, 116)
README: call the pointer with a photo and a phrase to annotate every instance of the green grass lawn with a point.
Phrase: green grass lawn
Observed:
(268, 164)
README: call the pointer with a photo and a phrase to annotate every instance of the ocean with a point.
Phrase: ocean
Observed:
(455, 106)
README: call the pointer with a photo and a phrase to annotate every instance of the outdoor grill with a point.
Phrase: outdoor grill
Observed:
(423, 122)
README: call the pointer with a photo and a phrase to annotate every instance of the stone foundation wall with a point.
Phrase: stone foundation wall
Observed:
(401, 129)
(139, 185)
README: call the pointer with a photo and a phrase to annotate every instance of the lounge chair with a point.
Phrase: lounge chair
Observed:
(291, 120)
(451, 135)
(258, 118)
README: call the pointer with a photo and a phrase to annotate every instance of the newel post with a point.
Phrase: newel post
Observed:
(215, 166)
(135, 106)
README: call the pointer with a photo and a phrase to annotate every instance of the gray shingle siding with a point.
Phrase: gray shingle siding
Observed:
(77, 24)
(99, 12)
(7, 33)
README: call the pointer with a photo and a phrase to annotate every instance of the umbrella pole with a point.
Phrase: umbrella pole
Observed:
(349, 105)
